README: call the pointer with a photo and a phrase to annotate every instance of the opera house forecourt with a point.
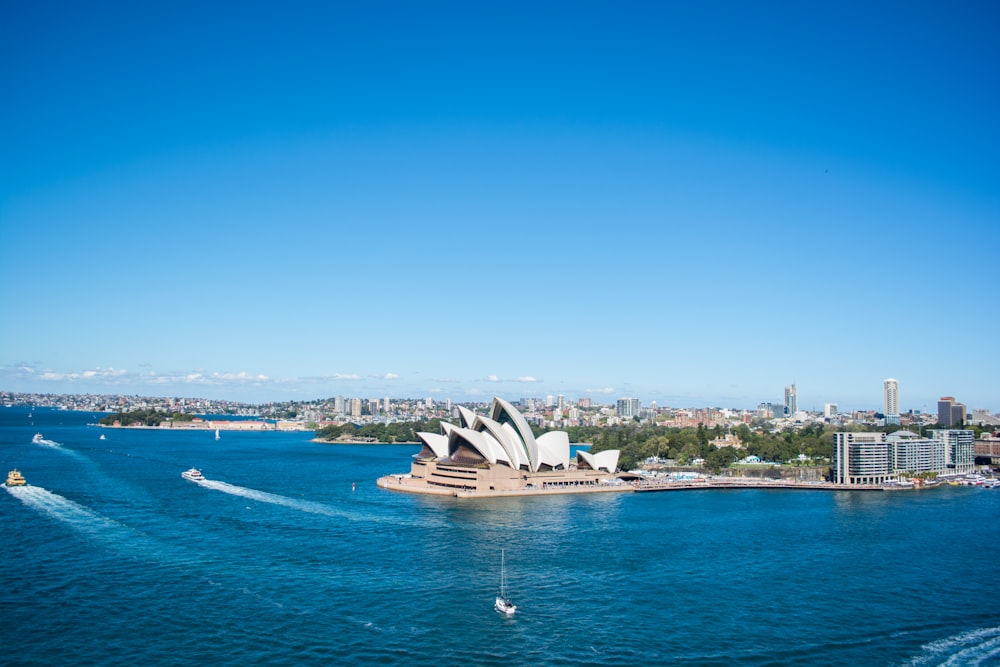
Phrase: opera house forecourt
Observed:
(500, 456)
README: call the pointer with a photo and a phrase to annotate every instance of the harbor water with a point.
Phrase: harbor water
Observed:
(288, 554)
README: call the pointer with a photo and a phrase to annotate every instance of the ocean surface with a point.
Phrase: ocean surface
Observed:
(290, 555)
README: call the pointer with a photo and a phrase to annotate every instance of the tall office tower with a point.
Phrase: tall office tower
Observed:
(550, 401)
(429, 403)
(950, 412)
(791, 400)
(355, 407)
(891, 391)
(385, 405)
(447, 405)
(628, 407)
(338, 404)
(830, 410)
(561, 401)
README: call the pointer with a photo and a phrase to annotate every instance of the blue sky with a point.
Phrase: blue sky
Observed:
(694, 204)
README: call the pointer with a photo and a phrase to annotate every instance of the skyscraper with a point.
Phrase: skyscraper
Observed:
(950, 412)
(891, 401)
(791, 400)
(628, 407)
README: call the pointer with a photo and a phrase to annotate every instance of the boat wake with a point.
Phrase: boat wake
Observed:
(975, 647)
(52, 444)
(75, 515)
(273, 498)
(107, 532)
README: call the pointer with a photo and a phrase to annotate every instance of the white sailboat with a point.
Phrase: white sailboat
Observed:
(216, 434)
(503, 603)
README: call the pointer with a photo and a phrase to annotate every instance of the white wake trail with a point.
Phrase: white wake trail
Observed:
(975, 647)
(65, 510)
(273, 498)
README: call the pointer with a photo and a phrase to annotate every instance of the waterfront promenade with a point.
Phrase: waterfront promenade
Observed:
(409, 484)
(747, 483)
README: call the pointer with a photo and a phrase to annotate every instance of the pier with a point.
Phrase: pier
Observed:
(747, 483)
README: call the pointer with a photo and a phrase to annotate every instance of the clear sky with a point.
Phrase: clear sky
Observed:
(693, 203)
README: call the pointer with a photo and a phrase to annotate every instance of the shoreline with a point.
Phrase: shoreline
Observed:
(404, 483)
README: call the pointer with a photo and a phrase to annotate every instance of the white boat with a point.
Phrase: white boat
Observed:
(193, 474)
(102, 437)
(216, 434)
(503, 603)
(38, 438)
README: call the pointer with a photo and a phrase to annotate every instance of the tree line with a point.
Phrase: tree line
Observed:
(144, 417)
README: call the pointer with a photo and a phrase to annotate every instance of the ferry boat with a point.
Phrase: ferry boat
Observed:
(38, 438)
(193, 474)
(15, 478)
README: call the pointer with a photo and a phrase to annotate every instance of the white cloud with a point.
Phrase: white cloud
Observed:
(390, 376)
(526, 378)
(492, 378)
(346, 376)
(605, 390)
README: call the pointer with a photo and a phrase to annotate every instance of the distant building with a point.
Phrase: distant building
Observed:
(355, 407)
(891, 401)
(830, 410)
(950, 412)
(791, 400)
(627, 408)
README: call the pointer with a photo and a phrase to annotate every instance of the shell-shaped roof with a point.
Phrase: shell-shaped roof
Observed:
(486, 445)
(507, 437)
(435, 443)
(606, 460)
(505, 413)
(553, 449)
(466, 416)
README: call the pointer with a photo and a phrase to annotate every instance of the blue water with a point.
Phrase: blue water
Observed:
(110, 558)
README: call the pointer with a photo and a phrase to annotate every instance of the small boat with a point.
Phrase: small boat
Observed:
(503, 603)
(193, 474)
(102, 437)
(15, 478)
(217, 434)
(38, 438)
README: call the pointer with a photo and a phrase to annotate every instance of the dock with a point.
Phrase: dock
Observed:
(747, 483)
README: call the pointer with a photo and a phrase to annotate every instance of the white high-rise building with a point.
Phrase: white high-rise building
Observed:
(830, 410)
(891, 401)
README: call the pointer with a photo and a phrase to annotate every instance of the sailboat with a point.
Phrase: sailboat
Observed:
(503, 603)
(216, 434)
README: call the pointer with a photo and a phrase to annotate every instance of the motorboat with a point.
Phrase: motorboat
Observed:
(38, 438)
(15, 478)
(503, 603)
(193, 475)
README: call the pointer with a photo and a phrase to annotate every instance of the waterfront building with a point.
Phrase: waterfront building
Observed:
(959, 448)
(862, 458)
(988, 447)
(913, 454)
(500, 454)
(627, 408)
(791, 400)
(891, 401)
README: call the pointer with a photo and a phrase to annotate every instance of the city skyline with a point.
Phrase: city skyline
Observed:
(681, 204)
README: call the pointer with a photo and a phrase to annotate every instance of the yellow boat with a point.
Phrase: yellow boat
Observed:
(15, 478)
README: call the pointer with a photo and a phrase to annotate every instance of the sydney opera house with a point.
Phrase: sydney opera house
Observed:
(499, 455)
